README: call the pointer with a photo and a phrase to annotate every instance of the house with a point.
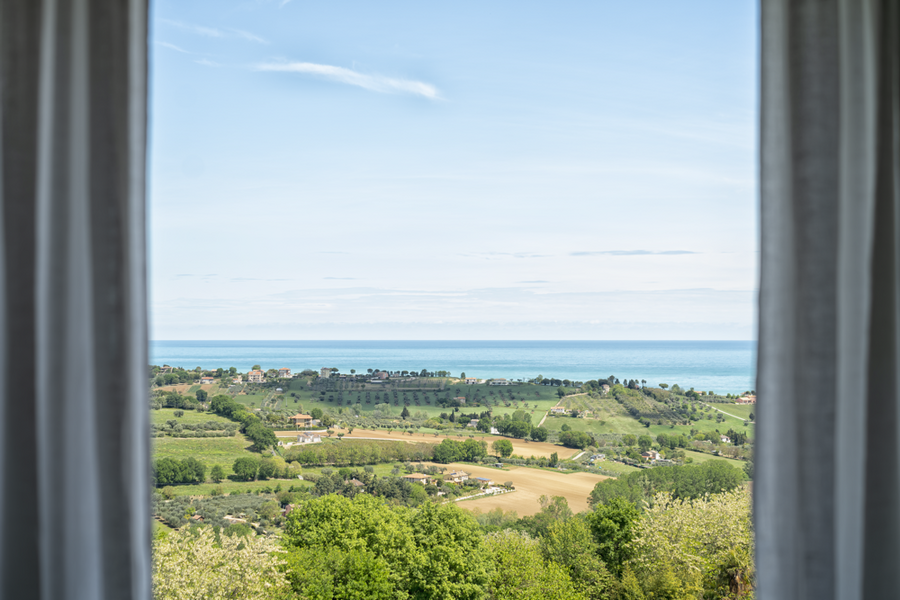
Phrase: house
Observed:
(207, 380)
(500, 381)
(725, 439)
(484, 481)
(456, 476)
(473, 423)
(418, 478)
(495, 431)
(558, 410)
(651, 455)
(238, 379)
(471, 380)
(357, 483)
(460, 399)
(380, 374)
(284, 373)
(256, 377)
(325, 372)
(746, 400)
(308, 438)
(605, 387)
(300, 420)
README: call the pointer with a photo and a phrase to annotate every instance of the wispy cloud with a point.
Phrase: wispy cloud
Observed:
(374, 83)
(341, 278)
(490, 255)
(632, 253)
(207, 63)
(172, 47)
(215, 33)
(283, 2)
(246, 35)
(534, 281)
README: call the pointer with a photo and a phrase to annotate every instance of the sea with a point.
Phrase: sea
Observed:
(719, 366)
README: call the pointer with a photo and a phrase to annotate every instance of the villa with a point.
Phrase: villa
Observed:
(284, 373)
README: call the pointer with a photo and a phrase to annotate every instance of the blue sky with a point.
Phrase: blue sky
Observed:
(469, 170)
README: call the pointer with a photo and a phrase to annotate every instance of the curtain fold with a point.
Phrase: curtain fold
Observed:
(827, 489)
(74, 449)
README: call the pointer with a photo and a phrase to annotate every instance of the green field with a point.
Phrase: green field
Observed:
(162, 415)
(226, 486)
(702, 457)
(209, 451)
(740, 410)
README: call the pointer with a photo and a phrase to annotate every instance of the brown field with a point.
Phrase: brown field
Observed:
(530, 484)
(520, 447)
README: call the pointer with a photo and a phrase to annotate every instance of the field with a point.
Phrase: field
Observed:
(300, 394)
(739, 410)
(210, 451)
(520, 447)
(607, 416)
(530, 485)
(702, 457)
(190, 417)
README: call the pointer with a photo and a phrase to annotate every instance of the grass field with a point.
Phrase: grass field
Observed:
(702, 457)
(530, 485)
(190, 417)
(228, 486)
(209, 451)
(740, 410)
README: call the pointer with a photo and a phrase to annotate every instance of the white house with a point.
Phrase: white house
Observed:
(256, 377)
(238, 379)
(473, 423)
(558, 410)
(471, 380)
(308, 438)
(284, 373)
(325, 372)
(500, 381)
(725, 439)
(207, 380)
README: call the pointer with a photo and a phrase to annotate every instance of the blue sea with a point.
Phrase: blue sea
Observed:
(719, 366)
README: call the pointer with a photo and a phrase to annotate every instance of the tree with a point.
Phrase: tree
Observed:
(613, 527)
(316, 413)
(554, 459)
(645, 442)
(352, 371)
(198, 563)
(245, 468)
(217, 474)
(629, 439)
(462, 375)
(502, 448)
(405, 412)
(520, 573)
(256, 368)
(539, 434)
(202, 395)
(570, 544)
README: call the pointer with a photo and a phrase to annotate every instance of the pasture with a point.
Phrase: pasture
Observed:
(190, 417)
(209, 451)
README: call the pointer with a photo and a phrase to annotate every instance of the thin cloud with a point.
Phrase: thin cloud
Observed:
(341, 278)
(207, 63)
(283, 3)
(633, 253)
(172, 47)
(534, 281)
(246, 35)
(215, 33)
(373, 83)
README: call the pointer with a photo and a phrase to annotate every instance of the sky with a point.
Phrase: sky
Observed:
(466, 170)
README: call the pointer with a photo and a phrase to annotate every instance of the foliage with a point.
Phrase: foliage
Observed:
(570, 544)
(688, 481)
(359, 452)
(471, 450)
(693, 547)
(521, 573)
(167, 471)
(576, 439)
(191, 564)
(613, 526)
(502, 448)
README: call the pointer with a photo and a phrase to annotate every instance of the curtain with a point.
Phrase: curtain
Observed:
(827, 487)
(74, 443)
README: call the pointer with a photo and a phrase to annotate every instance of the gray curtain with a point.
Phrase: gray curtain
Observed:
(827, 490)
(74, 491)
